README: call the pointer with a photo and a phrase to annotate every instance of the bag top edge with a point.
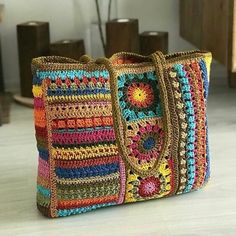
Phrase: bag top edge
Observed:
(64, 63)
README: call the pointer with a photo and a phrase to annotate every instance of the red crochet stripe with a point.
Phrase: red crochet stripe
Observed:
(68, 81)
(82, 123)
(67, 204)
(41, 132)
(83, 137)
(85, 163)
(200, 118)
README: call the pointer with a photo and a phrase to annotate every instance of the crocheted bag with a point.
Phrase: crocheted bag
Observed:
(119, 130)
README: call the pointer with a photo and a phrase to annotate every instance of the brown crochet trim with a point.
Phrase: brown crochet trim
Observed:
(45, 211)
(53, 199)
(169, 115)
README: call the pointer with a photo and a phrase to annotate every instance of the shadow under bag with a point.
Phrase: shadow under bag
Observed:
(119, 130)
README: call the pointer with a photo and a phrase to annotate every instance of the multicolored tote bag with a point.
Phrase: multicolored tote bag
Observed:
(119, 130)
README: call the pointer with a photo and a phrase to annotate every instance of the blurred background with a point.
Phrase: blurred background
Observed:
(32, 28)
(73, 19)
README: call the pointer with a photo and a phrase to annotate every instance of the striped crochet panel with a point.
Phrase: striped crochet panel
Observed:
(81, 167)
(87, 171)
(190, 82)
(41, 133)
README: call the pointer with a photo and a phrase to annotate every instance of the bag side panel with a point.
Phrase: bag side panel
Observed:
(41, 134)
(87, 168)
(190, 85)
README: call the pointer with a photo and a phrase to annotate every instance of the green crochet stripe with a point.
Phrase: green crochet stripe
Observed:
(74, 187)
(90, 191)
(41, 143)
(43, 200)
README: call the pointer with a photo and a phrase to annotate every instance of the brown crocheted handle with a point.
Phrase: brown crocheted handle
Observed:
(130, 59)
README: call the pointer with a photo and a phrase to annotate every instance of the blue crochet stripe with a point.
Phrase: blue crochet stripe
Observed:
(208, 172)
(205, 78)
(83, 172)
(43, 154)
(36, 80)
(203, 68)
(44, 191)
(74, 211)
(53, 75)
(187, 97)
(77, 92)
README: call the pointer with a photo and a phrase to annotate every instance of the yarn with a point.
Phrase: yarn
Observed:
(111, 134)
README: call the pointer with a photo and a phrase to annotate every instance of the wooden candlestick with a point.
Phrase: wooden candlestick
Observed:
(68, 48)
(2, 85)
(122, 35)
(33, 41)
(5, 97)
(151, 41)
(5, 102)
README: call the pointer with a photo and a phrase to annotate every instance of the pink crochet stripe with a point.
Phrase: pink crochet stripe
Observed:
(38, 103)
(43, 168)
(122, 182)
(84, 137)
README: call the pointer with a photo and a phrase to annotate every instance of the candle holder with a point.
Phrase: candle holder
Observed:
(68, 48)
(5, 102)
(33, 41)
(2, 85)
(5, 97)
(122, 35)
(151, 41)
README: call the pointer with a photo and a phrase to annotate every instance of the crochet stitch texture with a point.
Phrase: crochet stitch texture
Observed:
(130, 129)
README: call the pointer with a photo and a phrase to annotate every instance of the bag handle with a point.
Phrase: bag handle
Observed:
(160, 66)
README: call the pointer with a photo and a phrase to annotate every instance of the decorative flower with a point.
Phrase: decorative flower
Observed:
(149, 186)
(147, 143)
(140, 94)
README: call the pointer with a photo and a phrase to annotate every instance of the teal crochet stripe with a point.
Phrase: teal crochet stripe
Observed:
(44, 191)
(80, 74)
(187, 97)
(123, 77)
(74, 211)
(132, 115)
